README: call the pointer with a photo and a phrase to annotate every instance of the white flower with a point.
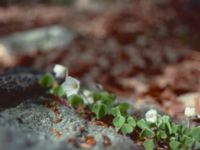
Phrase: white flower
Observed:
(88, 97)
(60, 71)
(190, 111)
(71, 86)
(151, 116)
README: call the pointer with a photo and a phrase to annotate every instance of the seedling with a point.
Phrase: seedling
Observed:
(149, 145)
(76, 101)
(47, 80)
(59, 91)
(100, 109)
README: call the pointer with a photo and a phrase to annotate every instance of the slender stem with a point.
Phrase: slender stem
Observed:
(188, 122)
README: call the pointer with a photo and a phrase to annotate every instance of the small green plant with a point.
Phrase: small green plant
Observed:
(174, 136)
(149, 144)
(154, 129)
(47, 80)
(76, 101)
(102, 103)
(58, 91)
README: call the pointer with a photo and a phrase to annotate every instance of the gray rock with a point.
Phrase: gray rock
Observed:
(46, 38)
(31, 126)
(17, 85)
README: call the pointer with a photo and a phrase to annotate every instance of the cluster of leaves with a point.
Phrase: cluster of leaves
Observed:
(49, 82)
(162, 132)
(105, 104)
(174, 136)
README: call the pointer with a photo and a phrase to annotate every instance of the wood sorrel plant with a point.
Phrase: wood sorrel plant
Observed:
(155, 131)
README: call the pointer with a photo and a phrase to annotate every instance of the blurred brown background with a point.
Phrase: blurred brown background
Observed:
(136, 48)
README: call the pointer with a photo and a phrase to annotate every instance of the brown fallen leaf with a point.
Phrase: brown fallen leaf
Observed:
(85, 146)
(90, 140)
(81, 129)
(73, 141)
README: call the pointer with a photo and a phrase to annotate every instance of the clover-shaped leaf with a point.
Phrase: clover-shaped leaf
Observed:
(131, 121)
(96, 96)
(175, 128)
(105, 97)
(47, 80)
(195, 132)
(59, 91)
(100, 110)
(162, 134)
(168, 128)
(149, 144)
(123, 107)
(127, 128)
(188, 141)
(115, 111)
(118, 121)
(76, 101)
(147, 133)
(142, 124)
(174, 145)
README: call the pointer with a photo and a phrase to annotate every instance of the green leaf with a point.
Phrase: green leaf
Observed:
(100, 110)
(47, 80)
(175, 128)
(188, 141)
(195, 132)
(106, 97)
(147, 133)
(123, 107)
(119, 121)
(131, 121)
(168, 128)
(126, 128)
(174, 145)
(142, 124)
(183, 130)
(59, 91)
(164, 123)
(149, 145)
(96, 96)
(162, 135)
(165, 118)
(76, 101)
(115, 111)
(108, 103)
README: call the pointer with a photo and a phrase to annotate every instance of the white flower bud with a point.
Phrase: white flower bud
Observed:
(190, 111)
(88, 97)
(151, 116)
(60, 71)
(71, 86)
